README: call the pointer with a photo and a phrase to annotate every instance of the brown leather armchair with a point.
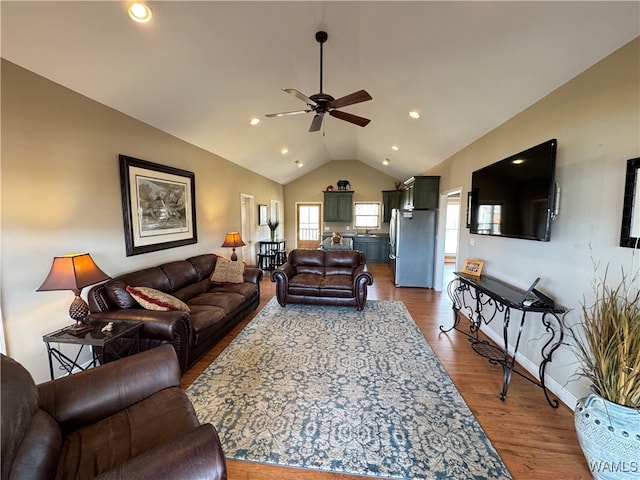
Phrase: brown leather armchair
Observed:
(122, 420)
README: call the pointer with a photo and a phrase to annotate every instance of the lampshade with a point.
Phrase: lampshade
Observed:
(73, 272)
(233, 240)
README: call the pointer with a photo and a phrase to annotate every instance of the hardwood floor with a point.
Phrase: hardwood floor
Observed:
(534, 440)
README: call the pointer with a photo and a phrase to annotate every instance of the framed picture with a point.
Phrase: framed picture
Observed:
(158, 206)
(262, 214)
(472, 266)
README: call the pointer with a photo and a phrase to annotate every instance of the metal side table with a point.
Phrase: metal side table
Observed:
(92, 339)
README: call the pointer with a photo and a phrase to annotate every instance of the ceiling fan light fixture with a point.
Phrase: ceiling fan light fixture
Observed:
(414, 114)
(140, 12)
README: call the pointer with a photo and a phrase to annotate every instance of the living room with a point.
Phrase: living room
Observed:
(61, 193)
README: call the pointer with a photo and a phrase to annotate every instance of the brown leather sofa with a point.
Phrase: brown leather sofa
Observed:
(319, 277)
(123, 420)
(215, 309)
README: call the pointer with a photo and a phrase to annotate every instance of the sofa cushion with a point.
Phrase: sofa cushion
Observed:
(205, 316)
(109, 443)
(307, 261)
(152, 299)
(312, 280)
(203, 264)
(179, 274)
(226, 271)
(337, 282)
(248, 290)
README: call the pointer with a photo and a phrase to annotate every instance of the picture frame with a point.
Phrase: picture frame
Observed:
(262, 214)
(158, 206)
(630, 231)
(473, 266)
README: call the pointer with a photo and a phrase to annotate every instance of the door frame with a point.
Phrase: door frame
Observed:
(438, 280)
(247, 228)
(297, 223)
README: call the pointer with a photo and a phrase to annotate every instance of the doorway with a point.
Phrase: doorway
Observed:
(308, 225)
(452, 234)
(247, 212)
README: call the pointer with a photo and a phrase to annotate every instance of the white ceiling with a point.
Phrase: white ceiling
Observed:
(200, 70)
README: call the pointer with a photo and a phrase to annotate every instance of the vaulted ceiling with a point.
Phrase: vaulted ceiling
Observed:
(201, 70)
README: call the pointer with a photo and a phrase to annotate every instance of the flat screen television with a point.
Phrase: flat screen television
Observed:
(515, 196)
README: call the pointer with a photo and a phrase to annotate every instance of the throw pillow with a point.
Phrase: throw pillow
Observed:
(227, 271)
(152, 299)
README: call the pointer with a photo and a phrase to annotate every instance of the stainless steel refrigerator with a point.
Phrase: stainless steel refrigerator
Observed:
(412, 239)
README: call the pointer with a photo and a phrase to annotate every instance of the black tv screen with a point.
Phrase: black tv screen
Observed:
(514, 197)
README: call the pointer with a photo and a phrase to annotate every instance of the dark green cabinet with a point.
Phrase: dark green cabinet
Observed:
(390, 199)
(337, 207)
(375, 249)
(421, 193)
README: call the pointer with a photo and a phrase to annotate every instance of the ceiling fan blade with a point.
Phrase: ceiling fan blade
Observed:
(356, 97)
(282, 114)
(360, 121)
(299, 95)
(316, 123)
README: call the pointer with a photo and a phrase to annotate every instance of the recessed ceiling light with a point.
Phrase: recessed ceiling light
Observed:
(386, 161)
(140, 12)
(395, 147)
(254, 121)
(414, 114)
(518, 161)
(284, 150)
(299, 163)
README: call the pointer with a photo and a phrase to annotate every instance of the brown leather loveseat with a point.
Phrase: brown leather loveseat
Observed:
(127, 419)
(319, 277)
(214, 308)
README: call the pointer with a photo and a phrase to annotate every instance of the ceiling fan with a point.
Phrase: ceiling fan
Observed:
(322, 103)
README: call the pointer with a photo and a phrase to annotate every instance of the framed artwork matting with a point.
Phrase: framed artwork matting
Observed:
(158, 206)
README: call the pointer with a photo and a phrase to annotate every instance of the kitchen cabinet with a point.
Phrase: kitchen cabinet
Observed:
(375, 248)
(421, 193)
(390, 199)
(338, 206)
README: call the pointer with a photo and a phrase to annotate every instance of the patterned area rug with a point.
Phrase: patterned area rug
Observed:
(334, 389)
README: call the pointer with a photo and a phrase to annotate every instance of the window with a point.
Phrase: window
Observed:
(489, 220)
(367, 215)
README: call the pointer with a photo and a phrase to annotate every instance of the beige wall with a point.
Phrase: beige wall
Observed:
(367, 184)
(596, 119)
(61, 194)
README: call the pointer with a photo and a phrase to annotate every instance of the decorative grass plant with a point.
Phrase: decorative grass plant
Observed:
(273, 224)
(609, 345)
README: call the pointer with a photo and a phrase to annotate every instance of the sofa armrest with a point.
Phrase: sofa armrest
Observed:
(253, 275)
(92, 395)
(196, 455)
(281, 276)
(361, 279)
(284, 272)
(157, 325)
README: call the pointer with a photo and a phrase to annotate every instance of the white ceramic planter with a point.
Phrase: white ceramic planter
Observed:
(609, 435)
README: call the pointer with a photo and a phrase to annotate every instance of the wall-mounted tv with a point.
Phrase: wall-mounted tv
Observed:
(515, 196)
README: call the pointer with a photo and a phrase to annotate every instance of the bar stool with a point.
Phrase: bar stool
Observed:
(280, 257)
(266, 261)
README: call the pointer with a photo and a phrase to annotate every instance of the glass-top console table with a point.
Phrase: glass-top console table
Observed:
(483, 298)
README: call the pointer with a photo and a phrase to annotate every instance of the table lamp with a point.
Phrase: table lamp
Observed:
(73, 272)
(233, 240)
